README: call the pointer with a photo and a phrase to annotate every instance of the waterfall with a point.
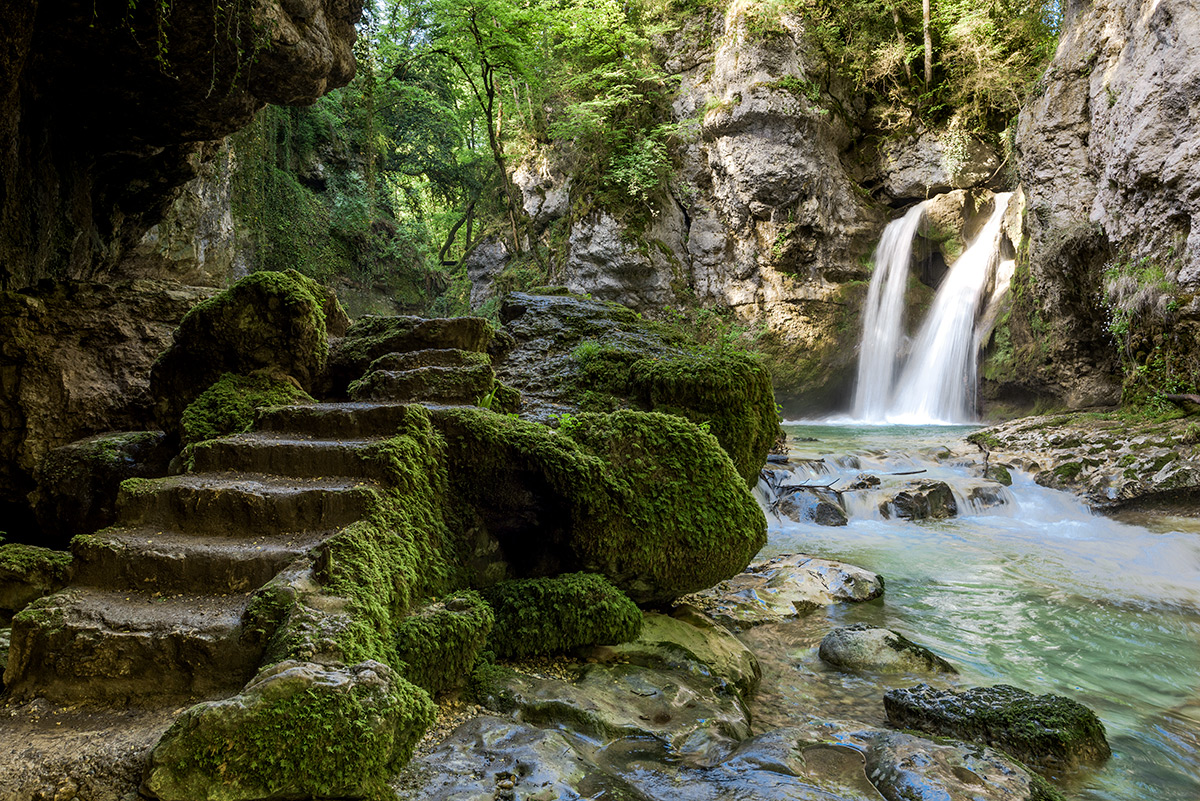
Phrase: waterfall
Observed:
(883, 317)
(938, 383)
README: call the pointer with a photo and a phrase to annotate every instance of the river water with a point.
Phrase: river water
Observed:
(1032, 590)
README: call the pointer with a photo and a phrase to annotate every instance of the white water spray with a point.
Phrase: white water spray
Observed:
(883, 317)
(938, 383)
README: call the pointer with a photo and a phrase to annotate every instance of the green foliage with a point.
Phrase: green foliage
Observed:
(554, 615)
(229, 405)
(438, 646)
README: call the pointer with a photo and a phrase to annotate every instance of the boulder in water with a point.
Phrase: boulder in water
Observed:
(865, 647)
(818, 505)
(921, 500)
(1046, 731)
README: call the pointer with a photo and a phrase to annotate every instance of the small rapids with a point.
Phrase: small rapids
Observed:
(1023, 586)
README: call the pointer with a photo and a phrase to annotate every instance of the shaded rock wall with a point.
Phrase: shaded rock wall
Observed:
(1109, 155)
(107, 107)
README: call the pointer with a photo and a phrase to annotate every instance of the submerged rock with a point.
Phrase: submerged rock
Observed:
(921, 500)
(1046, 731)
(865, 647)
(784, 587)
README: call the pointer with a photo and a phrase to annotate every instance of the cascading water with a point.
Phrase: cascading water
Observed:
(937, 385)
(883, 317)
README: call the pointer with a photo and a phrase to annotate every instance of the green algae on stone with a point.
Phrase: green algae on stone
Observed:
(267, 321)
(731, 392)
(649, 500)
(438, 645)
(557, 614)
(299, 730)
(229, 406)
(1049, 732)
(28, 572)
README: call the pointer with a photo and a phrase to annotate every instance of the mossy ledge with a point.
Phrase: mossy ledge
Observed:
(229, 405)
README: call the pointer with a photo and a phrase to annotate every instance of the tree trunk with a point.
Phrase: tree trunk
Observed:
(903, 44)
(927, 26)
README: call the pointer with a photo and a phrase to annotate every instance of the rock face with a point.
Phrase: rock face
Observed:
(1107, 155)
(109, 107)
(75, 361)
(929, 163)
(1048, 731)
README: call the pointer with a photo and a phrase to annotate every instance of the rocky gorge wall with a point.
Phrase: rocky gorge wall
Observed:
(1108, 151)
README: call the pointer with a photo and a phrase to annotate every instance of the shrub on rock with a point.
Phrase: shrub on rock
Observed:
(555, 615)
(271, 321)
(229, 405)
(300, 730)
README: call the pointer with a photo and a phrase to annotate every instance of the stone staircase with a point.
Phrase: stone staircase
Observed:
(155, 615)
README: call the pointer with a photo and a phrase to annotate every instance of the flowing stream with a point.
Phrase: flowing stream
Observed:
(1025, 588)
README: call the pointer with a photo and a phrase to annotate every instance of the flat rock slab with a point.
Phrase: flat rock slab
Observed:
(1046, 731)
(784, 587)
(865, 647)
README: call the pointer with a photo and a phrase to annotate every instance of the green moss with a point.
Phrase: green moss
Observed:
(24, 560)
(505, 398)
(614, 494)
(731, 392)
(229, 405)
(985, 440)
(293, 739)
(999, 473)
(554, 615)
(1067, 471)
(439, 645)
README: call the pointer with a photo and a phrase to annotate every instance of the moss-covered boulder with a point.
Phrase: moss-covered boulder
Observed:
(275, 321)
(230, 404)
(28, 572)
(77, 484)
(439, 643)
(1045, 731)
(371, 338)
(615, 494)
(300, 730)
(558, 614)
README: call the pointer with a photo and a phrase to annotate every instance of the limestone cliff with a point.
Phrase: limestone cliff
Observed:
(107, 107)
(1109, 156)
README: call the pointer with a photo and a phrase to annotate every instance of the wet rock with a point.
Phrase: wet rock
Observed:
(986, 496)
(784, 587)
(1046, 731)
(921, 500)
(27, 573)
(356, 723)
(999, 473)
(688, 641)
(279, 322)
(812, 504)
(77, 483)
(864, 481)
(865, 647)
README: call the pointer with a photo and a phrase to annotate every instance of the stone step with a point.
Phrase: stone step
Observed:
(354, 420)
(433, 384)
(242, 504)
(151, 560)
(96, 646)
(434, 357)
(286, 455)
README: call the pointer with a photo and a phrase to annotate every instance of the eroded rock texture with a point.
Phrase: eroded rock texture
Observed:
(107, 107)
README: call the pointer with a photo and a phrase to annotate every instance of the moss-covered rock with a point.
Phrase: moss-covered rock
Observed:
(425, 384)
(730, 392)
(555, 615)
(1045, 731)
(28, 572)
(608, 493)
(299, 730)
(439, 644)
(229, 405)
(267, 321)
(77, 484)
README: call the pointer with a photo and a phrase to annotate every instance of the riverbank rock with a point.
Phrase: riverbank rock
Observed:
(1111, 462)
(298, 730)
(268, 321)
(784, 587)
(921, 500)
(1046, 731)
(77, 484)
(865, 647)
